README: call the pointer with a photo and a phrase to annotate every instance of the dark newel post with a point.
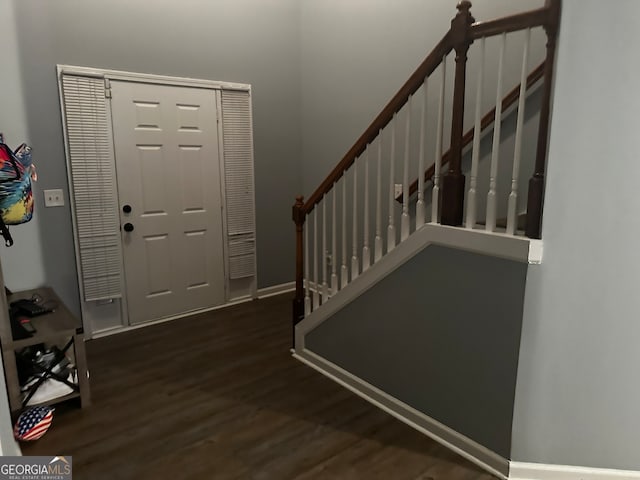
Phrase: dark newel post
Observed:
(453, 180)
(298, 302)
(535, 198)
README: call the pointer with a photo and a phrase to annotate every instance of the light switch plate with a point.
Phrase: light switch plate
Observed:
(53, 198)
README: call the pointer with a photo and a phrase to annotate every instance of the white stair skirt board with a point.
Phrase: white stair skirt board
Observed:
(464, 446)
(541, 471)
(521, 249)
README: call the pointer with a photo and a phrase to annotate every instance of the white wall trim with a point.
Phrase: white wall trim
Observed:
(276, 289)
(10, 448)
(462, 445)
(541, 471)
(149, 78)
(496, 244)
(520, 249)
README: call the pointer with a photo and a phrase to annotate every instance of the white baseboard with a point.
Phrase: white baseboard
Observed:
(541, 471)
(262, 293)
(462, 445)
(128, 328)
(276, 289)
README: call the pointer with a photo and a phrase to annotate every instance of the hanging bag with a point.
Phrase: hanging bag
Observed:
(16, 195)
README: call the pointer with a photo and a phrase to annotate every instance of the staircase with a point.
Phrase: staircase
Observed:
(396, 231)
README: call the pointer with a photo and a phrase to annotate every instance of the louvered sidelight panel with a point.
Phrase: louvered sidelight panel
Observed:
(94, 186)
(239, 184)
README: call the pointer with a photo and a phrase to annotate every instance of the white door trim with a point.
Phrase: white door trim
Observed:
(91, 330)
(150, 78)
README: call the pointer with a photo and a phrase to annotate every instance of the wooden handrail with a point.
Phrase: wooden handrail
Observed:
(509, 99)
(416, 80)
(512, 23)
(463, 31)
(539, 17)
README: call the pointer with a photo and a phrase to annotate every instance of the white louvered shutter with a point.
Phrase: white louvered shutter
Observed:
(93, 182)
(239, 184)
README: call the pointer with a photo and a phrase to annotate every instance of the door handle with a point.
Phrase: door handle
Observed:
(128, 227)
(126, 209)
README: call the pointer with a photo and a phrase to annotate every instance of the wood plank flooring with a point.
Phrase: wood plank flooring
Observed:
(218, 396)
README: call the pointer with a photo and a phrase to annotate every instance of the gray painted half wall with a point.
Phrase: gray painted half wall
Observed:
(441, 333)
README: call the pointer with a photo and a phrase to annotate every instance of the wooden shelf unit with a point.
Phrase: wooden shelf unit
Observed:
(52, 328)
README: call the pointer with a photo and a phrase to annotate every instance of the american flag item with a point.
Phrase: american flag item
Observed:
(33, 423)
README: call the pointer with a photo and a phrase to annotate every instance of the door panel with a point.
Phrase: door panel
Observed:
(192, 165)
(166, 146)
(158, 262)
(153, 179)
(194, 266)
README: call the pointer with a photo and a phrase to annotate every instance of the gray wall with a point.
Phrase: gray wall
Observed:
(441, 333)
(23, 263)
(247, 41)
(12, 123)
(578, 391)
(318, 78)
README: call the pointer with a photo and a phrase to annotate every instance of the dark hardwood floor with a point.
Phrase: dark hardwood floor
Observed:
(218, 396)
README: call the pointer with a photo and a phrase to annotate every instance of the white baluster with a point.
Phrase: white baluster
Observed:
(355, 261)
(512, 211)
(475, 156)
(344, 271)
(307, 298)
(323, 262)
(495, 153)
(366, 253)
(334, 243)
(316, 292)
(420, 206)
(435, 194)
(405, 224)
(378, 240)
(391, 228)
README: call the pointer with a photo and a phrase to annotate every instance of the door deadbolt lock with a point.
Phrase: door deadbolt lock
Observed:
(126, 209)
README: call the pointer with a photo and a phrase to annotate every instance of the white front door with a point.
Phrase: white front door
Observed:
(167, 163)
